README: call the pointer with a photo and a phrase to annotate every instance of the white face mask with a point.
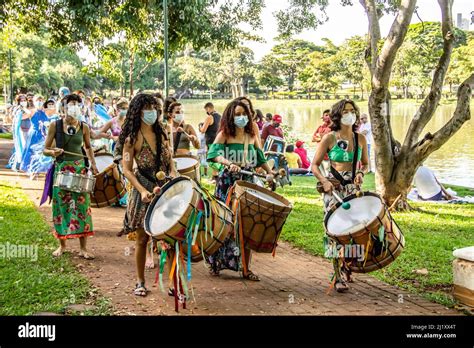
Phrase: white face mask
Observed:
(38, 104)
(24, 104)
(348, 119)
(179, 118)
(74, 111)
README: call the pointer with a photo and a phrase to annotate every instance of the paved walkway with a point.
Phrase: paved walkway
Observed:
(292, 283)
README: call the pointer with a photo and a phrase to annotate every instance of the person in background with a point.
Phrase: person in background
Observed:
(202, 151)
(115, 124)
(428, 186)
(268, 120)
(3, 129)
(365, 128)
(259, 120)
(322, 130)
(209, 128)
(303, 153)
(273, 128)
(183, 133)
(62, 92)
(294, 160)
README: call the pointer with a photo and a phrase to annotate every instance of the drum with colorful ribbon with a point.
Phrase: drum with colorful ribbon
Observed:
(362, 224)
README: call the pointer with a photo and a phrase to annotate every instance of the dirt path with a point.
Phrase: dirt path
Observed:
(292, 282)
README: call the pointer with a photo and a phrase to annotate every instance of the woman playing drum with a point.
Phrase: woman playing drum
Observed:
(229, 153)
(343, 179)
(144, 142)
(71, 210)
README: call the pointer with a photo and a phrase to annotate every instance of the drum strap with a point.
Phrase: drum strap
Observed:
(246, 149)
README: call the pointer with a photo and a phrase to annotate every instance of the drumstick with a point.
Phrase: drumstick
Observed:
(70, 153)
(345, 205)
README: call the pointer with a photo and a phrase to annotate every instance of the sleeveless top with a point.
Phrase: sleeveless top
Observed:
(212, 130)
(184, 142)
(146, 161)
(336, 154)
(73, 143)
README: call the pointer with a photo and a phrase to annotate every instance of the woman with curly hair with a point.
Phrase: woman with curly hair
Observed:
(340, 145)
(146, 144)
(235, 146)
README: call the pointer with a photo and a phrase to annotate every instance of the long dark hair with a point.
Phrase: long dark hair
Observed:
(336, 114)
(133, 120)
(227, 125)
(252, 111)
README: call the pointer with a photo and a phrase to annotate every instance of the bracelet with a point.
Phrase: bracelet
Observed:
(360, 172)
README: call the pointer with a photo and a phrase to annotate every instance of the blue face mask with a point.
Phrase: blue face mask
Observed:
(149, 117)
(241, 121)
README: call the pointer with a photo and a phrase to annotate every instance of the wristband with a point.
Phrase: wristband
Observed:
(360, 172)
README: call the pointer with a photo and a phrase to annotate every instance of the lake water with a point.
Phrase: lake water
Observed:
(453, 163)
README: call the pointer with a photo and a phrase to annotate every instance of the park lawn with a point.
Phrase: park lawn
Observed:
(431, 234)
(6, 136)
(44, 285)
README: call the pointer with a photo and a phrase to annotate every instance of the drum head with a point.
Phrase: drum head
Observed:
(264, 197)
(362, 212)
(103, 161)
(185, 162)
(169, 207)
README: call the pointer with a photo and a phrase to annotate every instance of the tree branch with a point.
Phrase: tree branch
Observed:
(142, 71)
(394, 40)
(432, 142)
(429, 105)
(374, 33)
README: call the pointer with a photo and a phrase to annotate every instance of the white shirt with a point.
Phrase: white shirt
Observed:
(368, 128)
(425, 183)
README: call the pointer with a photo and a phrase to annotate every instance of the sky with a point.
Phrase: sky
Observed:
(347, 21)
(343, 23)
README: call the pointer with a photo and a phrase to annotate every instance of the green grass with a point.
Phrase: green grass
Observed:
(6, 136)
(431, 232)
(44, 285)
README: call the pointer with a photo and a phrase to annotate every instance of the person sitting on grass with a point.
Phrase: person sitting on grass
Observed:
(428, 186)
(294, 160)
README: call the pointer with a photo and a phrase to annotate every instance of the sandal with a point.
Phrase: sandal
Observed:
(341, 286)
(214, 273)
(251, 276)
(140, 290)
(171, 292)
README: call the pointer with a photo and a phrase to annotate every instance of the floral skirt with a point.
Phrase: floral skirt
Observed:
(136, 210)
(72, 215)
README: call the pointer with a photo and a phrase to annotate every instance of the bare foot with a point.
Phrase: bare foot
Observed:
(86, 254)
(58, 252)
(150, 263)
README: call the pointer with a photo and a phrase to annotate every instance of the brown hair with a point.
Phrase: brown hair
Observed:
(336, 114)
(227, 125)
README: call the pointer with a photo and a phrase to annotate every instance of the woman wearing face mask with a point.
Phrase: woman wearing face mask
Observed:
(340, 145)
(183, 133)
(71, 211)
(21, 126)
(227, 153)
(115, 125)
(32, 160)
(146, 144)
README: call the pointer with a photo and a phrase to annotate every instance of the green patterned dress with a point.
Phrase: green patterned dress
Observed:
(72, 216)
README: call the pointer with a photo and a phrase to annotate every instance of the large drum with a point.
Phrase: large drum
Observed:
(263, 214)
(189, 166)
(183, 211)
(109, 184)
(74, 182)
(367, 231)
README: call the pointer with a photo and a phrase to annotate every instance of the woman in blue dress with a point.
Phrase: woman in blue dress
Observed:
(34, 161)
(21, 126)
